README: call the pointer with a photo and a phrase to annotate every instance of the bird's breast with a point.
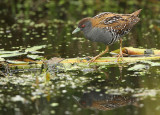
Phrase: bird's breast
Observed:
(99, 35)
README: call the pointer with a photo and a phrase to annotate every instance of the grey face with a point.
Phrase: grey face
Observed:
(84, 26)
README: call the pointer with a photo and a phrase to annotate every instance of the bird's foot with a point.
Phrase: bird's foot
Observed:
(120, 58)
(88, 58)
(92, 60)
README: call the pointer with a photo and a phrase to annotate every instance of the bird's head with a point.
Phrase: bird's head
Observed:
(84, 25)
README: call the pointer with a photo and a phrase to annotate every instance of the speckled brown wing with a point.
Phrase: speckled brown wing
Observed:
(98, 20)
(120, 24)
(117, 24)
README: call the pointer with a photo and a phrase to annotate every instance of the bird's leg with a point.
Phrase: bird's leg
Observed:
(120, 52)
(94, 58)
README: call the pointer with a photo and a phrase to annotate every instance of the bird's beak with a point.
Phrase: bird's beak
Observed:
(76, 30)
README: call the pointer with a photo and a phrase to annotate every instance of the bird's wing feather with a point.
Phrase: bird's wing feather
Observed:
(115, 22)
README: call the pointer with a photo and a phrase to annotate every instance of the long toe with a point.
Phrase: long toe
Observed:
(120, 58)
(92, 60)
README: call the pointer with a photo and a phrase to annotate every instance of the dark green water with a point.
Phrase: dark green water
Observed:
(97, 90)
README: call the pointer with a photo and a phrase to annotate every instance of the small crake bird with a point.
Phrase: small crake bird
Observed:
(107, 28)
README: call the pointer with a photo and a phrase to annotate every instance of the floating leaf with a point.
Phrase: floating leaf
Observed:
(34, 56)
(151, 63)
(2, 59)
(18, 98)
(35, 48)
(12, 55)
(16, 62)
(137, 67)
(155, 64)
(8, 52)
(54, 104)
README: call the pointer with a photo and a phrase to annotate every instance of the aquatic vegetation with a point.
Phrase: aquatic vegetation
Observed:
(33, 32)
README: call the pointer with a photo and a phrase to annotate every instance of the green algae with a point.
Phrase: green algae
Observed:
(25, 24)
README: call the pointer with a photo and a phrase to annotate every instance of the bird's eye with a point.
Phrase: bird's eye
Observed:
(83, 26)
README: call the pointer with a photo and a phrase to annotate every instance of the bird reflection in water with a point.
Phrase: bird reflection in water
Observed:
(103, 101)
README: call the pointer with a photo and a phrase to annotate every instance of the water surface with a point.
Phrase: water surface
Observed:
(96, 90)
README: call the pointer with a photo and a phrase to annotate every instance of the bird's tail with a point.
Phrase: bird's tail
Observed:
(136, 13)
